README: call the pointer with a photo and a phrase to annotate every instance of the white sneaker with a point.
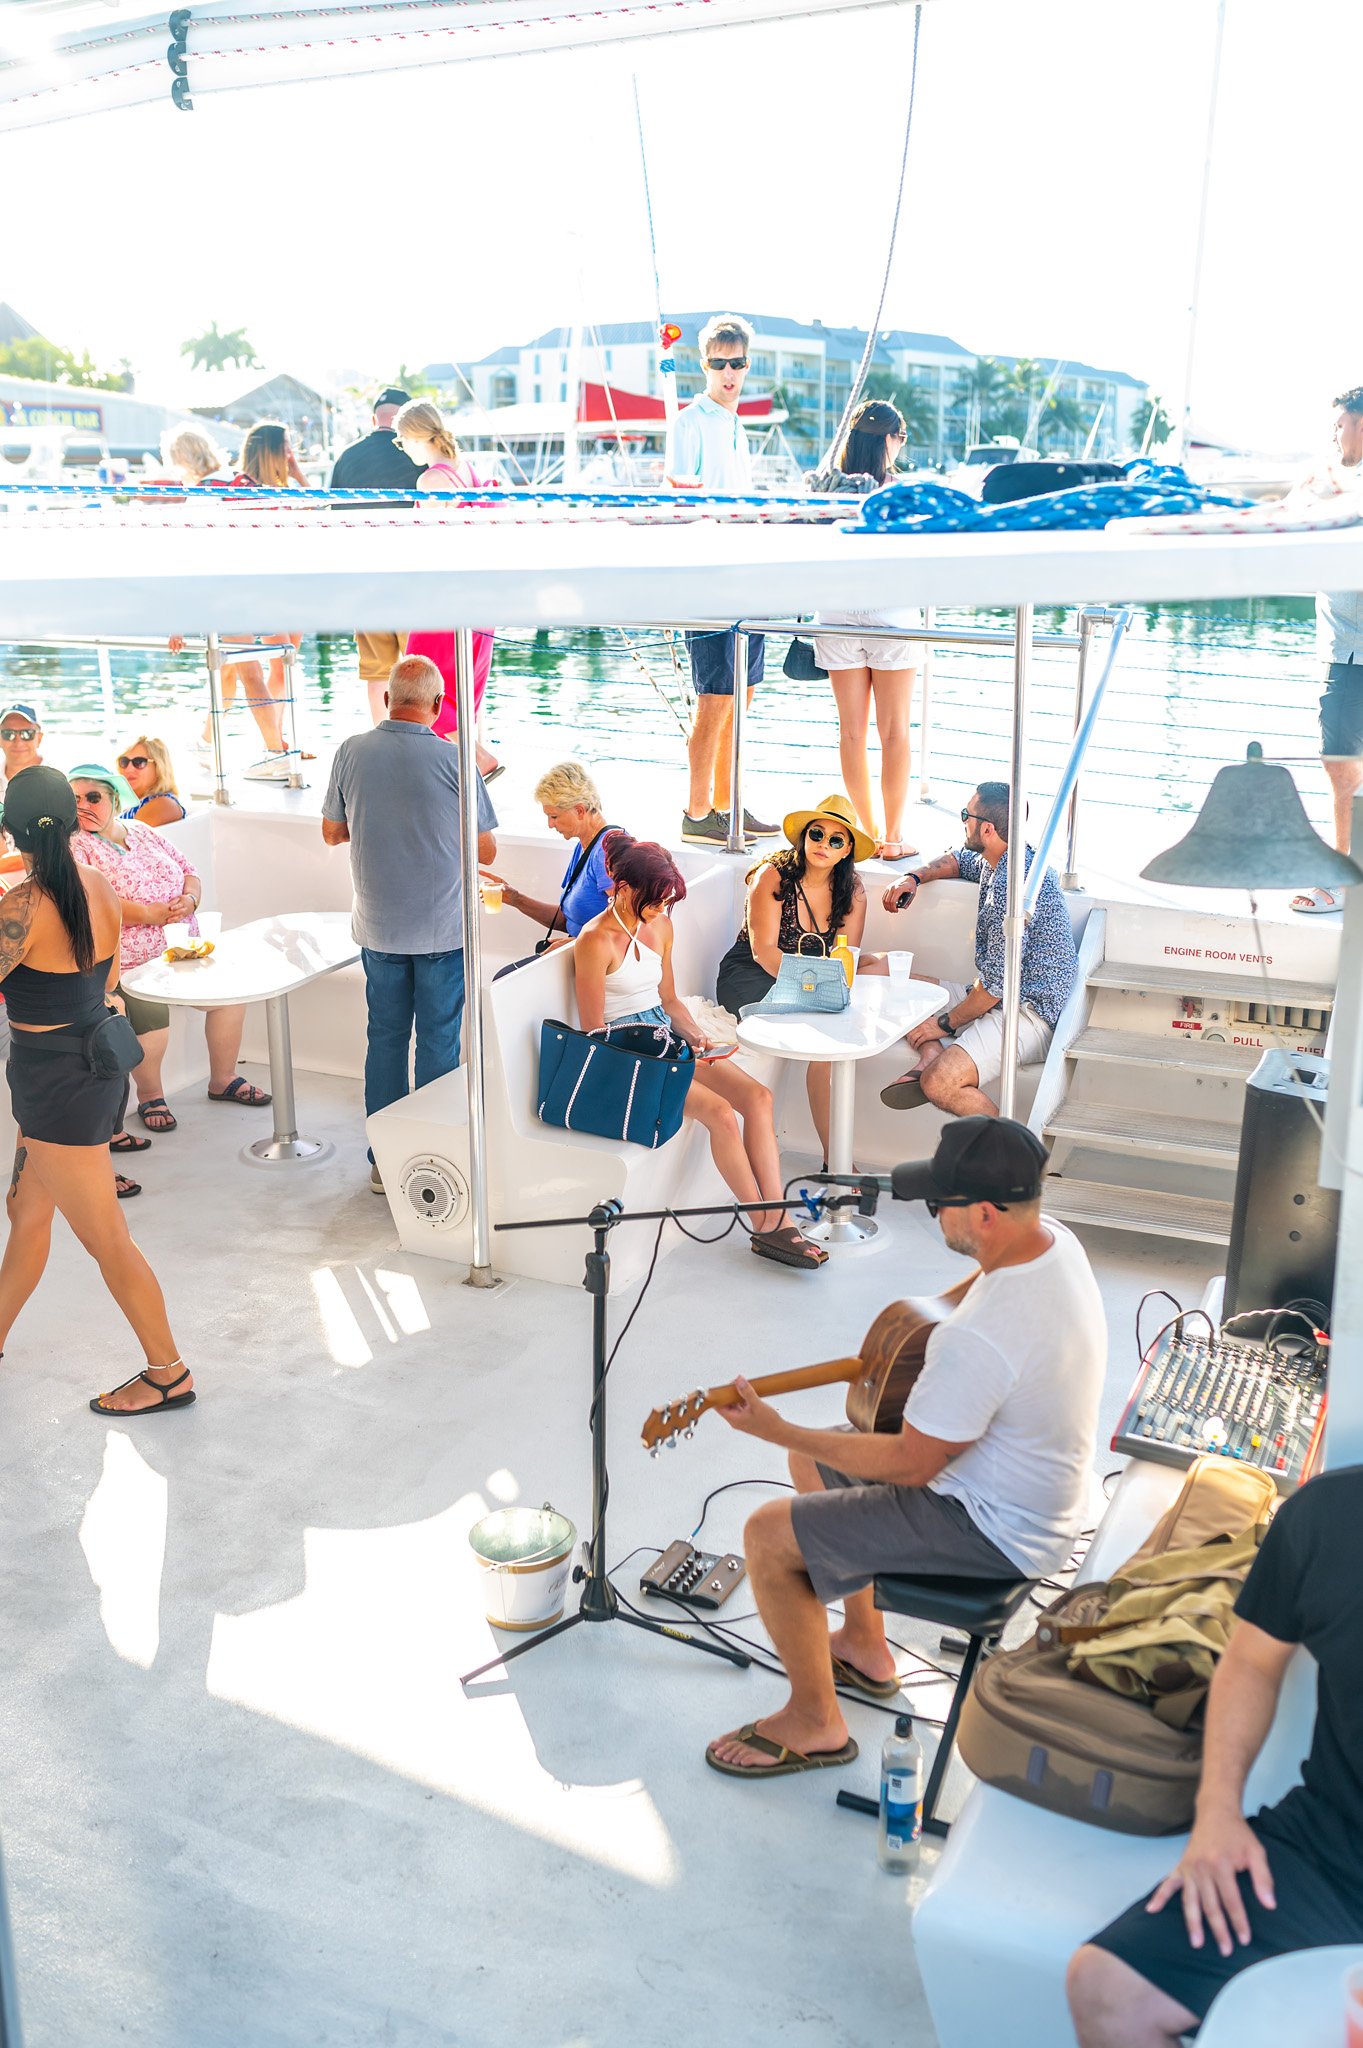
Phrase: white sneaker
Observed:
(274, 768)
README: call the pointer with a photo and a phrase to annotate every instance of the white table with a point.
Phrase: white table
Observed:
(261, 962)
(878, 1014)
(1297, 1999)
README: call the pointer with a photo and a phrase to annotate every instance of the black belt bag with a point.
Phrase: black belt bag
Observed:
(109, 1046)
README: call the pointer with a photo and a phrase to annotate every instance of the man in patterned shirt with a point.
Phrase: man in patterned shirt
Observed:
(960, 1051)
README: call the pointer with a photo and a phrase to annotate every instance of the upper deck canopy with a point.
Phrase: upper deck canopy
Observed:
(337, 572)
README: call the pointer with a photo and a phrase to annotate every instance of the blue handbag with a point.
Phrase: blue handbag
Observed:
(630, 1082)
(804, 982)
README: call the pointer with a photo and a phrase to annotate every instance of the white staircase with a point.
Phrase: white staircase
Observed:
(1143, 1093)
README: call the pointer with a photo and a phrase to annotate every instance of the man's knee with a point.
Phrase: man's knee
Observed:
(768, 1533)
(944, 1081)
(1109, 2001)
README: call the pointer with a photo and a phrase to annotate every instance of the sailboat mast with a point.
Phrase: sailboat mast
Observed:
(1185, 421)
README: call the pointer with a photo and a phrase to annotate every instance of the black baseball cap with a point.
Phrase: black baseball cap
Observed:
(38, 796)
(978, 1159)
(391, 396)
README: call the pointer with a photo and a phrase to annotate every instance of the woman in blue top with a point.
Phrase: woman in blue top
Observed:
(571, 804)
(150, 777)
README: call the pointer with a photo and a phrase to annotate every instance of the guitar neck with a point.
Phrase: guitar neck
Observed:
(826, 1375)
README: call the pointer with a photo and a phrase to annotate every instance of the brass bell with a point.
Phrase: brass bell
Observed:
(1252, 833)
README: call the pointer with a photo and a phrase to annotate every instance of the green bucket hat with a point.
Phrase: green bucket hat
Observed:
(94, 771)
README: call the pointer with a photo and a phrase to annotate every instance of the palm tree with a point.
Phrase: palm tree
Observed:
(801, 424)
(214, 351)
(1150, 418)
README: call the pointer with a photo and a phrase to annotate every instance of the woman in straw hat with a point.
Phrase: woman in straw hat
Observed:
(801, 899)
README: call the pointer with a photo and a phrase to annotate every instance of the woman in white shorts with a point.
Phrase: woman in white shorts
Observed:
(862, 668)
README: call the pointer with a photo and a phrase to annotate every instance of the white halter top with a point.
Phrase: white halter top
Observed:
(635, 983)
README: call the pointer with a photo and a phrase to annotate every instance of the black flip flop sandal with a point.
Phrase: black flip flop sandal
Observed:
(905, 1093)
(243, 1093)
(165, 1116)
(128, 1141)
(777, 1246)
(124, 1188)
(169, 1397)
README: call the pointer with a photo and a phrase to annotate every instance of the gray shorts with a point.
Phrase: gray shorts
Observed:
(853, 1531)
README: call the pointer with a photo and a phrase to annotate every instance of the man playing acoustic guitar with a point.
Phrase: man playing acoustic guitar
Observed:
(986, 1478)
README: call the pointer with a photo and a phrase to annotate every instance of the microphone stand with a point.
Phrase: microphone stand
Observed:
(600, 1601)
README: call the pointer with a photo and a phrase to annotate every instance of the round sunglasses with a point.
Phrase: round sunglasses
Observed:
(837, 841)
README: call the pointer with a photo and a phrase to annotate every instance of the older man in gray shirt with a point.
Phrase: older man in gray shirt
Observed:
(394, 799)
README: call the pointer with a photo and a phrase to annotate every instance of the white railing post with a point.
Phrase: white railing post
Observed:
(213, 657)
(1014, 923)
(480, 1272)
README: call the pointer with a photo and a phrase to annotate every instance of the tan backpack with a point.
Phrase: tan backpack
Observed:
(1099, 1715)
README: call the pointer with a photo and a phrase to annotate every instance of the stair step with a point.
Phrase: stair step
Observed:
(1245, 987)
(1140, 1130)
(1192, 1054)
(1149, 1210)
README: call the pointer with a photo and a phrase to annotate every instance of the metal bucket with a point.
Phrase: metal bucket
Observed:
(525, 1555)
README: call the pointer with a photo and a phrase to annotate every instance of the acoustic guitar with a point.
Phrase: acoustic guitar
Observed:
(879, 1378)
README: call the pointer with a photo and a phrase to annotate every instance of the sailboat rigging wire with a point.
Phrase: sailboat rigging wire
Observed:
(873, 330)
(650, 677)
(648, 203)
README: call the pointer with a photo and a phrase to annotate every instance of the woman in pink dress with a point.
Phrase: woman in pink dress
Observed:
(421, 433)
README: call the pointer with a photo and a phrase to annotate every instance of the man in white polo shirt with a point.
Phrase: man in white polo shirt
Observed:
(707, 450)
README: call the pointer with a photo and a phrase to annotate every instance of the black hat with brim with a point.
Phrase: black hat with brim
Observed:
(978, 1159)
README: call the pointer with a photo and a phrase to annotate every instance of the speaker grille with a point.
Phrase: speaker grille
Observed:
(436, 1192)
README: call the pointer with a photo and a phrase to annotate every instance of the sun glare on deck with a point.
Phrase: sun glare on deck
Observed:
(123, 1535)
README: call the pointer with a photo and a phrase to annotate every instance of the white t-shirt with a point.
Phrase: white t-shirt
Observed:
(710, 443)
(1339, 613)
(1017, 1373)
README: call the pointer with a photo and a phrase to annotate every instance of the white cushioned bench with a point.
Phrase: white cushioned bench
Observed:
(534, 1169)
(1018, 1889)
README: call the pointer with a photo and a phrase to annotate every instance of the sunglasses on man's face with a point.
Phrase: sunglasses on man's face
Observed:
(92, 796)
(933, 1207)
(837, 841)
(18, 732)
(134, 760)
(726, 362)
(969, 817)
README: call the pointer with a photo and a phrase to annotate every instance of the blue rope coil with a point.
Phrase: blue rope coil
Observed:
(1147, 489)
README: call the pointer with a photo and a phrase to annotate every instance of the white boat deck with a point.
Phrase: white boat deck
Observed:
(243, 1799)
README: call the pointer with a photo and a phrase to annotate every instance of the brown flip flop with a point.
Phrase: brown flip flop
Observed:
(785, 1762)
(905, 1093)
(874, 1688)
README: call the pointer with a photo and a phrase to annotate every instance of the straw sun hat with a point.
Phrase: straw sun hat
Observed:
(835, 809)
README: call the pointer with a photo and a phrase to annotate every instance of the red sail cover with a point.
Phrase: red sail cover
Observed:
(599, 404)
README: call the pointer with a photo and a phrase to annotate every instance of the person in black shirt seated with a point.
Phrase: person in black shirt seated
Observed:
(377, 463)
(1292, 1877)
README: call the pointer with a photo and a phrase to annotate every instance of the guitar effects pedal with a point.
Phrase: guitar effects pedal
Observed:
(699, 1577)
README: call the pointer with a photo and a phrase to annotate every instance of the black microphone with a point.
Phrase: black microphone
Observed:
(892, 1183)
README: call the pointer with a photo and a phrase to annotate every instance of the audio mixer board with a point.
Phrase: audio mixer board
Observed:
(1198, 1396)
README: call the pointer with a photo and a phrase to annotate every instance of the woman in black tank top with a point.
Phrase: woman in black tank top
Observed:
(59, 935)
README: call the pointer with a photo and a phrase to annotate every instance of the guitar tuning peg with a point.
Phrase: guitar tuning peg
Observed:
(653, 1450)
(672, 1441)
(689, 1431)
(666, 1416)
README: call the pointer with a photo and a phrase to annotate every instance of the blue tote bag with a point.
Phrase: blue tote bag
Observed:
(628, 1083)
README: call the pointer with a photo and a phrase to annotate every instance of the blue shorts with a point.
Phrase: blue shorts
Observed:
(712, 662)
(656, 1015)
(1341, 711)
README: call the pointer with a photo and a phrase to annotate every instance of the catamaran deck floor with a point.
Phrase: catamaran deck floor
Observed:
(243, 1799)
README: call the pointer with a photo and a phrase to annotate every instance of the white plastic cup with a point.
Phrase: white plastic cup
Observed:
(491, 893)
(900, 967)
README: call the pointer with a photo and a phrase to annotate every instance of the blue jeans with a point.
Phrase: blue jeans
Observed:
(402, 990)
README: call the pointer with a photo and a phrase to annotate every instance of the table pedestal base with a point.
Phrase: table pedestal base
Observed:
(841, 1229)
(287, 1151)
(284, 1147)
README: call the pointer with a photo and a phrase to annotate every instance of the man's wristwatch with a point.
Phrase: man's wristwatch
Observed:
(945, 1025)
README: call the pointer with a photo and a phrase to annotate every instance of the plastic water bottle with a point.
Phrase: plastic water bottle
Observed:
(901, 1799)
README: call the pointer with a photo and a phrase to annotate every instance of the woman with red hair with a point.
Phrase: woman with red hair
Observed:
(623, 965)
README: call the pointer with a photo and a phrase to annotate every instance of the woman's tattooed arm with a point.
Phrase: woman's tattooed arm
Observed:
(16, 924)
